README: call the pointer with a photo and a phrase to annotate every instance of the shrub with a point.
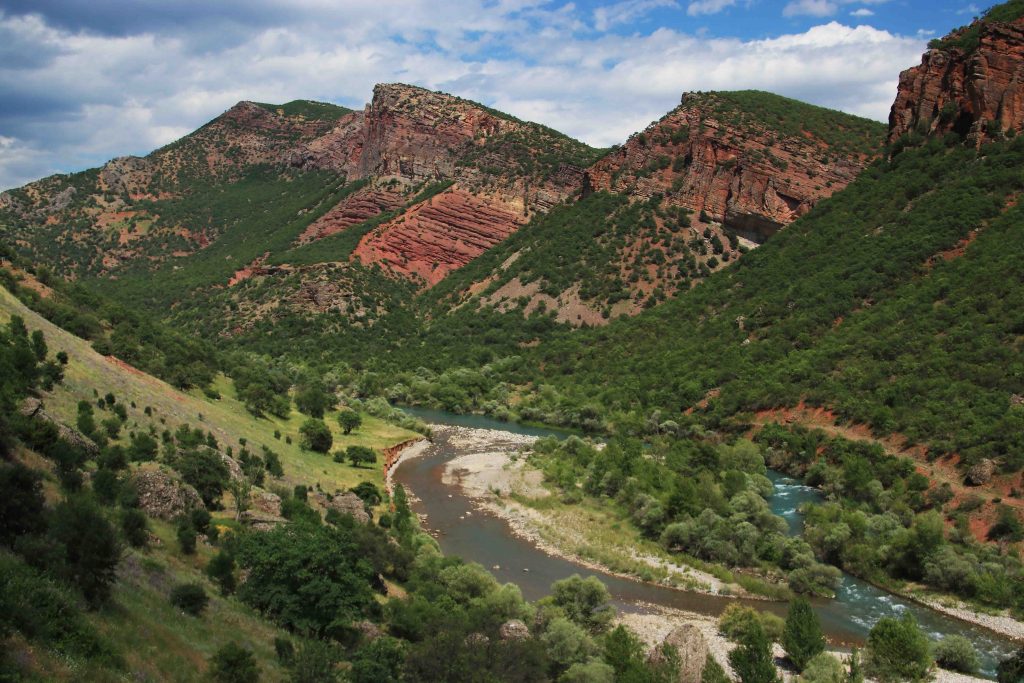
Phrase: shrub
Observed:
(189, 598)
(713, 672)
(234, 664)
(802, 637)
(823, 668)
(1011, 669)
(956, 653)
(315, 436)
(91, 548)
(737, 620)
(135, 527)
(897, 651)
(752, 660)
(349, 420)
(221, 571)
(186, 536)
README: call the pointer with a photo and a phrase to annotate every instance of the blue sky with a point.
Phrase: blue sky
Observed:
(82, 82)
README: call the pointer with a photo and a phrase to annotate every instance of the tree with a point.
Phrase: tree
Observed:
(315, 435)
(186, 536)
(802, 637)
(898, 650)
(135, 527)
(1011, 669)
(585, 601)
(368, 492)
(91, 548)
(956, 653)
(752, 660)
(379, 662)
(206, 472)
(21, 502)
(221, 571)
(241, 491)
(189, 598)
(234, 664)
(713, 671)
(312, 400)
(349, 420)
(360, 454)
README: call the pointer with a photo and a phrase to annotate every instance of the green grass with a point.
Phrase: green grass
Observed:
(226, 418)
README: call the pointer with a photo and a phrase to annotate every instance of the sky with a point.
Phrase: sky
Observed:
(83, 81)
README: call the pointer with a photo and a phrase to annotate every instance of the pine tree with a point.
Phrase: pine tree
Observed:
(752, 660)
(802, 637)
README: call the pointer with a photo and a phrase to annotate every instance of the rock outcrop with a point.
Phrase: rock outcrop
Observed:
(514, 629)
(726, 166)
(981, 473)
(691, 649)
(359, 206)
(346, 503)
(161, 492)
(976, 90)
(438, 235)
(33, 407)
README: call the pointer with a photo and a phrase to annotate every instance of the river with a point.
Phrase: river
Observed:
(476, 536)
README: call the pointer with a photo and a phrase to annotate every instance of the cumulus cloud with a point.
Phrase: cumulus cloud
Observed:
(74, 96)
(862, 12)
(826, 8)
(627, 11)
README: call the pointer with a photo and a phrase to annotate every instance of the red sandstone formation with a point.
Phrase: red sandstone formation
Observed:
(965, 91)
(352, 210)
(438, 235)
(752, 180)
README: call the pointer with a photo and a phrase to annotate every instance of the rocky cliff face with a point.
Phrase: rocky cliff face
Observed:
(728, 166)
(974, 89)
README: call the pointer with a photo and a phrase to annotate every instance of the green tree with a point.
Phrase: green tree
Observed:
(91, 547)
(752, 660)
(233, 663)
(379, 662)
(1011, 669)
(206, 472)
(315, 436)
(312, 400)
(135, 527)
(349, 420)
(802, 637)
(221, 571)
(898, 650)
(585, 601)
(357, 455)
(21, 502)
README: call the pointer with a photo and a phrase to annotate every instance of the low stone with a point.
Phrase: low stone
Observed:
(266, 502)
(514, 629)
(349, 503)
(162, 494)
(691, 648)
(981, 473)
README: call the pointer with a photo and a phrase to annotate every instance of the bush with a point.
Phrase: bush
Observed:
(221, 571)
(752, 660)
(956, 653)
(348, 420)
(315, 436)
(135, 527)
(1011, 669)
(897, 651)
(205, 471)
(802, 637)
(91, 548)
(713, 672)
(234, 664)
(186, 536)
(823, 668)
(737, 620)
(189, 598)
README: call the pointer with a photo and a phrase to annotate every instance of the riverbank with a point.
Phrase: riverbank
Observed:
(655, 622)
(493, 473)
(407, 451)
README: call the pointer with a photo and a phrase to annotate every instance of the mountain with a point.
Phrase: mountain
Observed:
(968, 82)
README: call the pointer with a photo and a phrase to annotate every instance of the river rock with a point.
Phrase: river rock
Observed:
(162, 494)
(514, 629)
(981, 473)
(691, 648)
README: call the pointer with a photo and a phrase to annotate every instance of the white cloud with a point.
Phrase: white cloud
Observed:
(971, 9)
(699, 7)
(862, 12)
(87, 97)
(627, 11)
(814, 8)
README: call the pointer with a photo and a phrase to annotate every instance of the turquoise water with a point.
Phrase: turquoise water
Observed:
(478, 537)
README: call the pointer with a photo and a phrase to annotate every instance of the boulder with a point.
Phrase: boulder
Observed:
(981, 473)
(691, 648)
(369, 630)
(514, 629)
(234, 468)
(261, 521)
(348, 503)
(266, 503)
(162, 494)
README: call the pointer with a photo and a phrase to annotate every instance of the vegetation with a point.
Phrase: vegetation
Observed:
(898, 651)
(802, 637)
(968, 37)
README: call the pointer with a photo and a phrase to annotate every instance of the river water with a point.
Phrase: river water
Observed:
(476, 536)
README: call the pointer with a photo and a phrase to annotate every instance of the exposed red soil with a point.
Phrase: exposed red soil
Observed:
(352, 210)
(438, 235)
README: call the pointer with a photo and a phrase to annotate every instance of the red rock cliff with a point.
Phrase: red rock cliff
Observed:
(977, 92)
